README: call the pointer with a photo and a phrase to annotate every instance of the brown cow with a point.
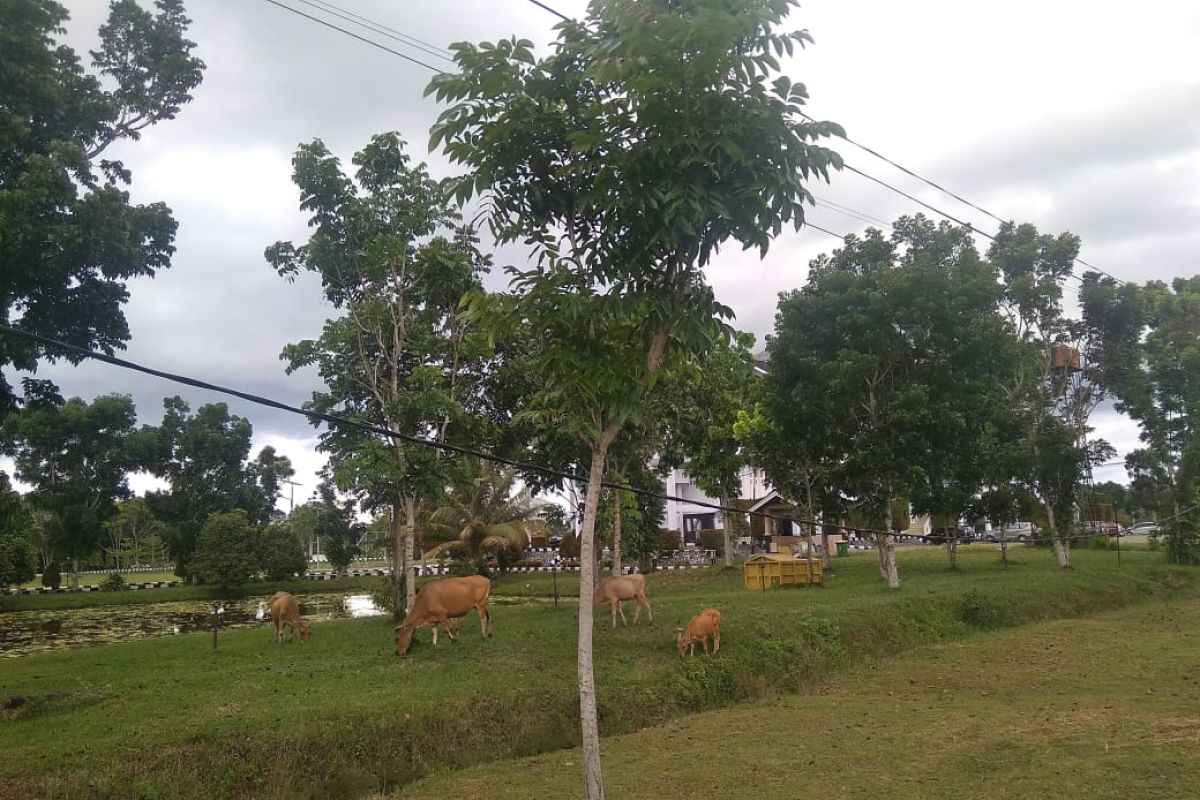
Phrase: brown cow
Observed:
(616, 590)
(438, 602)
(706, 623)
(285, 611)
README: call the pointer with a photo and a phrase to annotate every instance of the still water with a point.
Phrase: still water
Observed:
(25, 632)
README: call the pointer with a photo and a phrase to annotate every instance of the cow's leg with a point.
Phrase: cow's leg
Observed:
(637, 611)
(716, 640)
(704, 643)
(485, 619)
(435, 627)
(621, 608)
(649, 610)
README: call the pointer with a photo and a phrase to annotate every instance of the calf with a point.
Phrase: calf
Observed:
(285, 611)
(706, 623)
(441, 601)
(616, 590)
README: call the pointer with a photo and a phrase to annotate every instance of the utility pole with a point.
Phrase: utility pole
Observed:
(292, 495)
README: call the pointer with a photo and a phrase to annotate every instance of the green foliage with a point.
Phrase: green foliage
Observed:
(983, 611)
(113, 583)
(225, 549)
(72, 238)
(337, 528)
(667, 540)
(205, 457)
(395, 261)
(280, 552)
(1145, 345)
(52, 576)
(18, 561)
(483, 512)
(77, 457)
(569, 546)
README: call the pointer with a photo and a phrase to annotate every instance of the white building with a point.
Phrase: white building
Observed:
(689, 518)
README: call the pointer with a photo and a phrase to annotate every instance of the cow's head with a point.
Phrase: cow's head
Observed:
(404, 637)
(682, 640)
(303, 630)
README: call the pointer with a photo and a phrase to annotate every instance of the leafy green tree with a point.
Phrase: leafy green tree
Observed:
(204, 457)
(714, 454)
(18, 560)
(77, 457)
(337, 528)
(71, 236)
(280, 551)
(128, 531)
(1033, 268)
(652, 134)
(394, 262)
(1147, 351)
(225, 549)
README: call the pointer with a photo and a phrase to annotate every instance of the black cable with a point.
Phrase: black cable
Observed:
(385, 48)
(379, 27)
(545, 7)
(333, 419)
(837, 236)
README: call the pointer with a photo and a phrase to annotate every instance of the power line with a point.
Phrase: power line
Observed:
(351, 34)
(333, 419)
(862, 216)
(837, 236)
(379, 27)
(545, 7)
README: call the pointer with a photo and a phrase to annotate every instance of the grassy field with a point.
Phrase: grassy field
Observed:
(343, 716)
(1102, 707)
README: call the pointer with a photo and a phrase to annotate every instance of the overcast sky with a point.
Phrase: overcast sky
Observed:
(1073, 115)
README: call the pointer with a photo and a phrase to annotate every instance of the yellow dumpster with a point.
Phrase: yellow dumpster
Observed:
(775, 570)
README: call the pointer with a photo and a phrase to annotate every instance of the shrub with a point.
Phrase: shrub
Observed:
(280, 552)
(538, 542)
(225, 553)
(52, 577)
(981, 611)
(18, 562)
(569, 546)
(668, 539)
(113, 583)
(712, 539)
(529, 562)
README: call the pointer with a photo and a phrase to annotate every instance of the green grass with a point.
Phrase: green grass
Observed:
(97, 578)
(343, 716)
(1081, 709)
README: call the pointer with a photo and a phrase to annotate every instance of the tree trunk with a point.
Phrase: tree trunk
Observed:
(410, 577)
(1062, 546)
(727, 533)
(593, 777)
(398, 573)
(1003, 547)
(826, 563)
(616, 548)
(887, 554)
(952, 549)
(74, 572)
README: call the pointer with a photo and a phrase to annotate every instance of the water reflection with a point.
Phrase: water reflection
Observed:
(25, 632)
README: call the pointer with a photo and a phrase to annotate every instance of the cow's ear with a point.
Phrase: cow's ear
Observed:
(679, 630)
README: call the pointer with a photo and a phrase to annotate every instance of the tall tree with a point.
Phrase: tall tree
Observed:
(650, 136)
(205, 459)
(18, 559)
(1045, 390)
(714, 454)
(77, 457)
(1148, 355)
(71, 238)
(131, 528)
(394, 262)
(483, 510)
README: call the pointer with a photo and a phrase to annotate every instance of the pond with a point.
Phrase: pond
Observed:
(26, 632)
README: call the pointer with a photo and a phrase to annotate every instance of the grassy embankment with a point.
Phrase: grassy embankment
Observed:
(343, 716)
(1080, 709)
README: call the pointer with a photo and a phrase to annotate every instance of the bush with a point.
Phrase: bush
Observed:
(980, 611)
(52, 577)
(225, 553)
(18, 562)
(280, 552)
(538, 542)
(569, 546)
(712, 539)
(668, 539)
(529, 562)
(113, 583)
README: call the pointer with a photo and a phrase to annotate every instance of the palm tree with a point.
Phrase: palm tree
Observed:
(483, 513)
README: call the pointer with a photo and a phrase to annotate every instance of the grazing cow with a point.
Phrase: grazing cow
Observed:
(706, 623)
(285, 611)
(616, 590)
(441, 601)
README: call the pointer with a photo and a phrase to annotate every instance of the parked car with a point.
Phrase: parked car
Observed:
(940, 535)
(1144, 529)
(1017, 532)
